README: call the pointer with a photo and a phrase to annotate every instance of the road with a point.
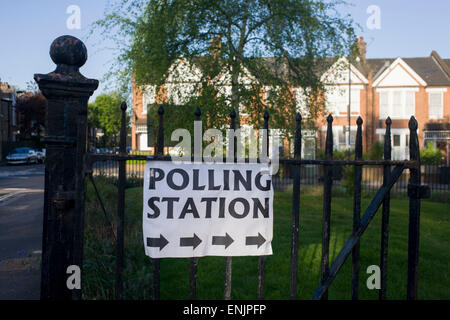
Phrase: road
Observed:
(21, 209)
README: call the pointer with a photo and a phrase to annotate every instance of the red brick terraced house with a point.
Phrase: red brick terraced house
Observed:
(376, 88)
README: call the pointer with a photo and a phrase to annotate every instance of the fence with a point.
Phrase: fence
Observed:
(436, 177)
(68, 164)
(290, 177)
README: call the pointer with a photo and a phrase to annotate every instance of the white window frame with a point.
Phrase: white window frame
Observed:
(337, 131)
(339, 100)
(383, 114)
(439, 91)
(401, 152)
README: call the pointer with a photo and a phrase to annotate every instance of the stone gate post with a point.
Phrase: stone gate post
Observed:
(67, 92)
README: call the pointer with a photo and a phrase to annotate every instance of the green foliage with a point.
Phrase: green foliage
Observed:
(337, 154)
(344, 155)
(151, 35)
(105, 114)
(430, 155)
(99, 263)
(349, 180)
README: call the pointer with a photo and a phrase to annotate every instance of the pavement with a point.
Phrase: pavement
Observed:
(21, 210)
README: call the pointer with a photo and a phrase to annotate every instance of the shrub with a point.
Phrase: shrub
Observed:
(430, 155)
(349, 181)
(376, 152)
(337, 154)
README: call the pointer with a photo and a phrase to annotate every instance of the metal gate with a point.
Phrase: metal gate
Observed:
(68, 164)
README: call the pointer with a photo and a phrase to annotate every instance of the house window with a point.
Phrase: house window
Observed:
(397, 104)
(436, 105)
(337, 99)
(396, 140)
(301, 101)
(341, 136)
(309, 148)
(384, 105)
(352, 137)
(410, 103)
(180, 94)
(148, 98)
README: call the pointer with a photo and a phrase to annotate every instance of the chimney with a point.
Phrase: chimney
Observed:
(361, 45)
(286, 66)
(215, 47)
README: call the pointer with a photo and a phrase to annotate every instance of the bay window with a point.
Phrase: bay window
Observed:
(337, 99)
(397, 103)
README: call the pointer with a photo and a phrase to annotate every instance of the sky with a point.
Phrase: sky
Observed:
(391, 28)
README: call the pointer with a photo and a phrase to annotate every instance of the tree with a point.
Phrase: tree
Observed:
(279, 42)
(31, 108)
(105, 114)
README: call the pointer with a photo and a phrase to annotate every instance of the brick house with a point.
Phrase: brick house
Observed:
(398, 87)
(8, 115)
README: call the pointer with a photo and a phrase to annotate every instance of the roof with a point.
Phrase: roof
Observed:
(447, 61)
(428, 68)
(434, 70)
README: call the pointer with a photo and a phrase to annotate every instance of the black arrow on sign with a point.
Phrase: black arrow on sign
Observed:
(190, 242)
(255, 241)
(222, 241)
(160, 242)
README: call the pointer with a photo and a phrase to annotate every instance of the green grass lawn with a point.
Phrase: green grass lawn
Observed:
(434, 264)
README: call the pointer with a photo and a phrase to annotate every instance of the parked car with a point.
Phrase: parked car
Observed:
(22, 155)
(41, 155)
(117, 150)
(104, 150)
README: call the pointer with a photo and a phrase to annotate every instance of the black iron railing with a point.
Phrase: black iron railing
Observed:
(360, 223)
(68, 164)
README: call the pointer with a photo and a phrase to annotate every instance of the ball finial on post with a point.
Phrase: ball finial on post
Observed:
(68, 53)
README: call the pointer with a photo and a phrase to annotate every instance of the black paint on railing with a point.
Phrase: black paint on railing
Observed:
(385, 212)
(297, 177)
(357, 208)
(414, 213)
(262, 259)
(322, 289)
(326, 216)
(159, 153)
(121, 207)
(228, 260)
(295, 208)
(67, 92)
(193, 264)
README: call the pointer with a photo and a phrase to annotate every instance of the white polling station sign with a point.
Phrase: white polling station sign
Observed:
(197, 209)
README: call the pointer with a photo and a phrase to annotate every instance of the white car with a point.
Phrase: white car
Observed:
(21, 156)
(40, 155)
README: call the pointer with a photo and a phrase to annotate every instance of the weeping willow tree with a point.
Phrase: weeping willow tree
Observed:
(250, 54)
